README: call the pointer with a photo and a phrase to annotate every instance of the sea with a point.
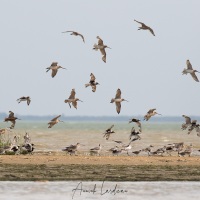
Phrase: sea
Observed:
(89, 134)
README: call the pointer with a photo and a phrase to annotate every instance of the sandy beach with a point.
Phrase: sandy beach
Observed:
(57, 166)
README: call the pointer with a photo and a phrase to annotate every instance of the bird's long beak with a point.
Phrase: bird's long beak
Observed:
(126, 100)
(109, 47)
(61, 121)
(64, 68)
(80, 100)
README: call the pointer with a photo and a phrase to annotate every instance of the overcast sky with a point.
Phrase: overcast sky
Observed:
(147, 69)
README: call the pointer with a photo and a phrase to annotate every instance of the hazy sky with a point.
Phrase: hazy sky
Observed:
(147, 69)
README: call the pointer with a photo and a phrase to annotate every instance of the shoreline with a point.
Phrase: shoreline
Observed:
(60, 167)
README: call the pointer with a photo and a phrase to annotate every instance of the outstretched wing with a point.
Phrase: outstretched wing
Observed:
(81, 37)
(74, 103)
(67, 31)
(187, 119)
(189, 66)
(109, 129)
(54, 72)
(118, 94)
(194, 76)
(28, 101)
(139, 22)
(100, 41)
(92, 77)
(72, 95)
(56, 118)
(11, 114)
(151, 110)
(151, 30)
(118, 107)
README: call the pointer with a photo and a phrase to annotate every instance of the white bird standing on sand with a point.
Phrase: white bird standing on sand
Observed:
(96, 150)
(54, 67)
(191, 71)
(75, 34)
(101, 48)
(118, 100)
(92, 82)
(27, 99)
(72, 99)
(54, 121)
(150, 113)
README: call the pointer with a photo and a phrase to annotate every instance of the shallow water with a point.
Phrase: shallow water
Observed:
(90, 134)
(128, 190)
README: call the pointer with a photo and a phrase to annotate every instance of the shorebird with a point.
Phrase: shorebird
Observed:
(12, 119)
(188, 151)
(136, 152)
(92, 82)
(101, 48)
(135, 134)
(118, 142)
(27, 148)
(144, 27)
(159, 151)
(75, 34)
(191, 71)
(191, 125)
(54, 121)
(118, 100)
(72, 99)
(72, 147)
(127, 148)
(96, 150)
(54, 67)
(147, 149)
(108, 132)
(150, 113)
(137, 121)
(116, 151)
(27, 99)
(27, 138)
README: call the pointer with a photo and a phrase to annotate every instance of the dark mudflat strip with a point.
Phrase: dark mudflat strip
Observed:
(30, 172)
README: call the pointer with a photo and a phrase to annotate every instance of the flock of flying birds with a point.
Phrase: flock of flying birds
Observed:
(72, 100)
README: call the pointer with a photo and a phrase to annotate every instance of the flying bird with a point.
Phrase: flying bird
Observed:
(12, 119)
(27, 99)
(150, 113)
(191, 71)
(144, 27)
(108, 132)
(75, 34)
(72, 99)
(137, 121)
(118, 100)
(92, 82)
(101, 47)
(54, 67)
(54, 121)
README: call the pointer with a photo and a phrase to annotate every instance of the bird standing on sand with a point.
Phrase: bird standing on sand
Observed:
(54, 67)
(92, 82)
(54, 121)
(150, 113)
(96, 150)
(101, 47)
(27, 99)
(75, 34)
(72, 148)
(12, 119)
(118, 100)
(72, 99)
(108, 132)
(145, 27)
(191, 71)
(137, 121)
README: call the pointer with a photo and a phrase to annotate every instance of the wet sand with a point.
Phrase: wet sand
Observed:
(58, 166)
